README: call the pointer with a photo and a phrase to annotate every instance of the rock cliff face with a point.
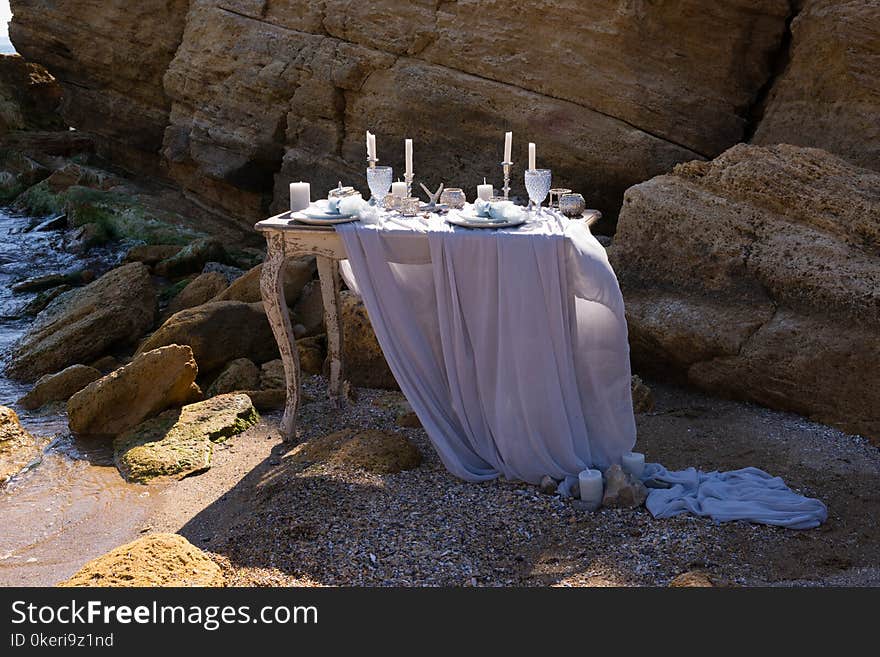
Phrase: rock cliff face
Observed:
(110, 56)
(757, 275)
(237, 97)
(829, 95)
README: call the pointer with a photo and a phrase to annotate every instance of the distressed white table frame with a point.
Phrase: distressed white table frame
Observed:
(286, 240)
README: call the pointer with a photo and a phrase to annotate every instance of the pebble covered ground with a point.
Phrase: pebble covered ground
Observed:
(282, 524)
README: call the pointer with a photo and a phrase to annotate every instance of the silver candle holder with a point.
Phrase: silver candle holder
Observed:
(371, 162)
(505, 166)
(408, 179)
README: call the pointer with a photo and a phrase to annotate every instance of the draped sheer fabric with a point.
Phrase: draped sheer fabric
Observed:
(510, 345)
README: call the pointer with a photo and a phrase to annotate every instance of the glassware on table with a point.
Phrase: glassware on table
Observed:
(537, 186)
(453, 197)
(391, 202)
(572, 205)
(409, 206)
(379, 182)
(555, 195)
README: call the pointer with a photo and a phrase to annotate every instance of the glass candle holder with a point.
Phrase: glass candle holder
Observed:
(409, 206)
(572, 205)
(453, 197)
(391, 202)
(555, 195)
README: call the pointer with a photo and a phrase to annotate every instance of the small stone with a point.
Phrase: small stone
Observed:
(692, 578)
(548, 485)
(621, 490)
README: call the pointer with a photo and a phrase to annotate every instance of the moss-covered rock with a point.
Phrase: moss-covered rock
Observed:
(180, 442)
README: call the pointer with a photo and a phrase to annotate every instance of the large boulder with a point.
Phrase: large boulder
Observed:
(201, 289)
(151, 254)
(829, 93)
(59, 386)
(757, 275)
(29, 96)
(297, 273)
(218, 332)
(179, 443)
(153, 381)
(365, 364)
(83, 324)
(152, 560)
(17, 447)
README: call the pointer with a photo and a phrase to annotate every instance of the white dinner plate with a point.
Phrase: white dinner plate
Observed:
(317, 213)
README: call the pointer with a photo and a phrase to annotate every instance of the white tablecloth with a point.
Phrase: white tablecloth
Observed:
(510, 345)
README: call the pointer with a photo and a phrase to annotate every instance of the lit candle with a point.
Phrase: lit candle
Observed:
(590, 482)
(633, 463)
(408, 149)
(508, 145)
(531, 155)
(398, 189)
(300, 196)
(485, 191)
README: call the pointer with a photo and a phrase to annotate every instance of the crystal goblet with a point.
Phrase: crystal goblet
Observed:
(379, 182)
(537, 186)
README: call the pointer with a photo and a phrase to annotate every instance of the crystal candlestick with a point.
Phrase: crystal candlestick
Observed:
(505, 166)
(408, 178)
(371, 162)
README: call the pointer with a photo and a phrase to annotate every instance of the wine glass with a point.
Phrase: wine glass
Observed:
(538, 186)
(379, 182)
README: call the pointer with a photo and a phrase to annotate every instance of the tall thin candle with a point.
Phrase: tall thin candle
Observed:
(508, 145)
(531, 155)
(409, 156)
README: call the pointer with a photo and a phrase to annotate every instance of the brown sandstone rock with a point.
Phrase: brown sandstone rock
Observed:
(643, 398)
(17, 446)
(191, 258)
(692, 578)
(757, 275)
(153, 381)
(84, 323)
(150, 254)
(370, 450)
(218, 332)
(201, 289)
(240, 374)
(272, 375)
(29, 96)
(308, 311)
(365, 364)
(246, 288)
(829, 95)
(271, 399)
(59, 386)
(152, 560)
(311, 354)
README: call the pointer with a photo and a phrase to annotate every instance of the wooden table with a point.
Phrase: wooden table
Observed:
(285, 240)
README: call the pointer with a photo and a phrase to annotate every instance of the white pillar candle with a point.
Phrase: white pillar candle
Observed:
(398, 189)
(508, 145)
(408, 150)
(300, 196)
(531, 155)
(485, 191)
(590, 482)
(634, 464)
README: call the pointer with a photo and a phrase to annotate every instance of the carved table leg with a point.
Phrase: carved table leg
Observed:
(272, 288)
(328, 271)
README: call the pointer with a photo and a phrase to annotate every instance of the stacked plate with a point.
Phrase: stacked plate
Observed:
(320, 214)
(468, 218)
